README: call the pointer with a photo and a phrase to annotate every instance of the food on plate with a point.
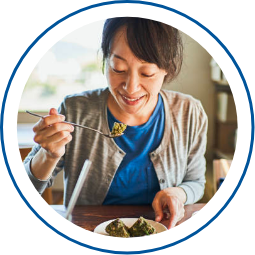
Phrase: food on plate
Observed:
(118, 128)
(141, 228)
(117, 228)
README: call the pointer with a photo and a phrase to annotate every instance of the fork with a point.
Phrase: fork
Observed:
(81, 126)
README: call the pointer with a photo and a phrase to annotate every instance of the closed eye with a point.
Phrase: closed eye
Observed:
(123, 71)
(117, 71)
(148, 75)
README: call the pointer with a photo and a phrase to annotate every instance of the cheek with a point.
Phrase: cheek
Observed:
(113, 80)
(154, 87)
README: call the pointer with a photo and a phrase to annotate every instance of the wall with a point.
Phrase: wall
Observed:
(194, 79)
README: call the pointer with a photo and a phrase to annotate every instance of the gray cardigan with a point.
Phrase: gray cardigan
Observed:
(178, 161)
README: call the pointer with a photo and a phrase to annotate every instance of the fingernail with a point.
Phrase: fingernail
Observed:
(157, 218)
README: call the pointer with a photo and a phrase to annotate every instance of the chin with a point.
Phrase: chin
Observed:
(132, 109)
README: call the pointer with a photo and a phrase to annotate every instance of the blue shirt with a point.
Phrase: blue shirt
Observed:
(135, 181)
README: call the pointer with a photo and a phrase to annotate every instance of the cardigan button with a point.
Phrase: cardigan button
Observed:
(161, 181)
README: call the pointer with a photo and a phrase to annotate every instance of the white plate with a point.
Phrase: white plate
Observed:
(100, 229)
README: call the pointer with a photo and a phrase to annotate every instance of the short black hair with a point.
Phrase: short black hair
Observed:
(149, 40)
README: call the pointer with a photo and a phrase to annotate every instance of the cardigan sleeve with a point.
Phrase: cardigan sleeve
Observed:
(194, 181)
(41, 185)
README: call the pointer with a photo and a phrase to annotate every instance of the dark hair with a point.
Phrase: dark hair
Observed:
(149, 40)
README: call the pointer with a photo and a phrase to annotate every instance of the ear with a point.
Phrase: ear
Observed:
(163, 71)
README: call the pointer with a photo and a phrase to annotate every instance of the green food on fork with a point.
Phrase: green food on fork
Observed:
(118, 128)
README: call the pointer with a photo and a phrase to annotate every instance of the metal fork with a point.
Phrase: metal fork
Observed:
(77, 125)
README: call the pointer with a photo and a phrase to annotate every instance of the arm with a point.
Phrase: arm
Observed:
(192, 187)
(194, 181)
(51, 136)
(42, 165)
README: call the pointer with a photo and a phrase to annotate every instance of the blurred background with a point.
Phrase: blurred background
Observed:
(74, 64)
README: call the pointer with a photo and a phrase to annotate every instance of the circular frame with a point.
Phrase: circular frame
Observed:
(93, 6)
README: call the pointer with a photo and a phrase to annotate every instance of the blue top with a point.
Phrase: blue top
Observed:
(135, 181)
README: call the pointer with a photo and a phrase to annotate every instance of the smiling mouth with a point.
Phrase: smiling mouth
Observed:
(132, 99)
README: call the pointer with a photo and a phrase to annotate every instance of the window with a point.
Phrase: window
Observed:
(72, 65)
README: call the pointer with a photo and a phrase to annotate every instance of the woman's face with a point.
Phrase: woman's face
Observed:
(134, 84)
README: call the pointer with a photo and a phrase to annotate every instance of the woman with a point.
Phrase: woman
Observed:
(160, 158)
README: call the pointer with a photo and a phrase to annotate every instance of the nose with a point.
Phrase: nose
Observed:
(132, 84)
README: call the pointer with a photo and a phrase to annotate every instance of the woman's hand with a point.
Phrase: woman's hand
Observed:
(52, 134)
(173, 200)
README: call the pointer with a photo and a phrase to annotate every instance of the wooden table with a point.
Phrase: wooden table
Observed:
(90, 216)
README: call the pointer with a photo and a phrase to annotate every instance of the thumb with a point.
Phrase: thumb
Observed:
(53, 111)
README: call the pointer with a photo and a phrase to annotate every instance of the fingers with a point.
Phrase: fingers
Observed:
(172, 220)
(176, 209)
(56, 149)
(47, 121)
(52, 130)
(156, 205)
(52, 134)
(168, 199)
(53, 111)
(53, 139)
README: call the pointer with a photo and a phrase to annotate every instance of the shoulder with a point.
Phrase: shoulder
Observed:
(178, 98)
(87, 103)
(90, 96)
(182, 103)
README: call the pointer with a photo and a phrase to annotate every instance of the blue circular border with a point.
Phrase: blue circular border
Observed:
(121, 2)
